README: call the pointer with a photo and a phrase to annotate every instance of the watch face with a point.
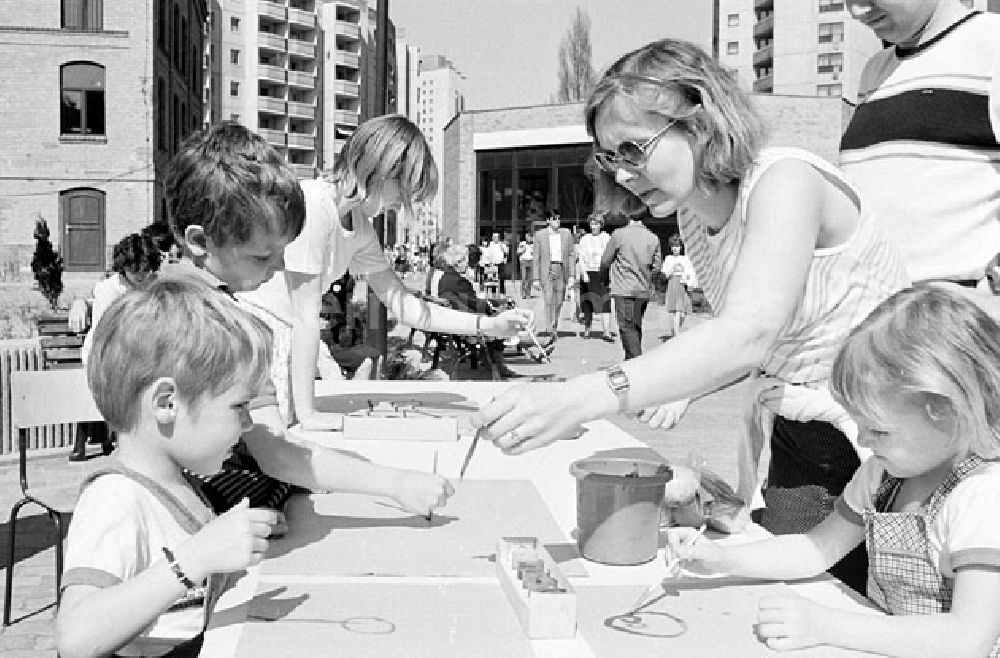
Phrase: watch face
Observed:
(618, 379)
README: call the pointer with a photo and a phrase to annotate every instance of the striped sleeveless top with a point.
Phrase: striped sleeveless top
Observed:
(845, 283)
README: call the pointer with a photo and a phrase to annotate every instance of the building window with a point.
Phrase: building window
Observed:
(161, 114)
(830, 5)
(829, 62)
(82, 99)
(733, 48)
(83, 14)
(828, 90)
(234, 23)
(183, 49)
(234, 88)
(234, 117)
(161, 27)
(177, 123)
(234, 57)
(734, 20)
(831, 32)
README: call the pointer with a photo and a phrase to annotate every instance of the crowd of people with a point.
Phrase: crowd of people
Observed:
(842, 293)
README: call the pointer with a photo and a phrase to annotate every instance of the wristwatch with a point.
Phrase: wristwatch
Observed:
(619, 385)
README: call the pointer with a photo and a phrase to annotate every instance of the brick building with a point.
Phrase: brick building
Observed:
(97, 96)
(502, 169)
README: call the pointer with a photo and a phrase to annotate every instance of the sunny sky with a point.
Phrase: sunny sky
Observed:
(508, 49)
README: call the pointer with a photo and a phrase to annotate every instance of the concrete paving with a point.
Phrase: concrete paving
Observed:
(708, 432)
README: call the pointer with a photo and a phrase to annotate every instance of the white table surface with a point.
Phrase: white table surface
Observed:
(548, 469)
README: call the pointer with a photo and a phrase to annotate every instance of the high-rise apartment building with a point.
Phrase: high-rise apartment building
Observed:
(264, 69)
(97, 97)
(439, 99)
(799, 47)
(794, 47)
(301, 73)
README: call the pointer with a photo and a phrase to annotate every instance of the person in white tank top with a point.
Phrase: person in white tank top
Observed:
(786, 251)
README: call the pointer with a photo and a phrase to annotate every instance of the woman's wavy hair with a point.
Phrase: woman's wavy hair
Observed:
(725, 130)
(389, 147)
(931, 346)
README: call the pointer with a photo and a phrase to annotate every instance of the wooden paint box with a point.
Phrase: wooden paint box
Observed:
(543, 599)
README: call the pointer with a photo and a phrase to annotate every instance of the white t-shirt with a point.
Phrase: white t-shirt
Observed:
(680, 266)
(555, 247)
(590, 249)
(965, 531)
(120, 524)
(105, 292)
(324, 248)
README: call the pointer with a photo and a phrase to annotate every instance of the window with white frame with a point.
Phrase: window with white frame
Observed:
(82, 99)
(733, 48)
(829, 62)
(831, 32)
(734, 20)
(828, 90)
(83, 14)
(830, 5)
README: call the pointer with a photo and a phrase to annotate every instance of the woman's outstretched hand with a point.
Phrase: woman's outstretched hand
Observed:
(526, 418)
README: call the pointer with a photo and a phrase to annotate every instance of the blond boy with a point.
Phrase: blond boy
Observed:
(173, 369)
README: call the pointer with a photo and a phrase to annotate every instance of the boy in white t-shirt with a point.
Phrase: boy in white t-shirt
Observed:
(173, 369)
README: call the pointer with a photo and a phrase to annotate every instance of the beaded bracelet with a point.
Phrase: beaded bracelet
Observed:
(176, 568)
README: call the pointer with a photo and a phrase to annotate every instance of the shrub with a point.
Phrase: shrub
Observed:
(47, 265)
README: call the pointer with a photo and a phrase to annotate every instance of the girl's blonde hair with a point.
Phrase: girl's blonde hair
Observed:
(935, 347)
(705, 99)
(385, 148)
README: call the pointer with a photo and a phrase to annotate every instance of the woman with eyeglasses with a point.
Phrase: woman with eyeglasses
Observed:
(787, 253)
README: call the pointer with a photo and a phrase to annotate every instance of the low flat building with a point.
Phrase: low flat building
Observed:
(503, 169)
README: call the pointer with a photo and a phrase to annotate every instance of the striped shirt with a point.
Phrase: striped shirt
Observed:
(843, 285)
(924, 148)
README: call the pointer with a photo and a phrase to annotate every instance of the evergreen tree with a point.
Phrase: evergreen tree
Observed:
(47, 265)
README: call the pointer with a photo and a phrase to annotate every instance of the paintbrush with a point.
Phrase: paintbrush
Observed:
(472, 449)
(672, 567)
(430, 515)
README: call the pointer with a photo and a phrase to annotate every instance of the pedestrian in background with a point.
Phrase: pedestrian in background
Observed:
(594, 295)
(554, 269)
(680, 275)
(526, 258)
(631, 258)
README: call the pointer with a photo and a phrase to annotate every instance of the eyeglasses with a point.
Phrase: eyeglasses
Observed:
(630, 154)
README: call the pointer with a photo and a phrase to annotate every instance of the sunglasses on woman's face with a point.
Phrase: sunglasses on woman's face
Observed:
(630, 154)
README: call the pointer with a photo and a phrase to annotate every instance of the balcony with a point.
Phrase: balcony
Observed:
(764, 84)
(764, 28)
(300, 141)
(271, 10)
(763, 56)
(349, 30)
(347, 58)
(346, 88)
(301, 110)
(270, 41)
(271, 73)
(350, 117)
(303, 171)
(300, 17)
(302, 79)
(269, 105)
(299, 47)
(273, 137)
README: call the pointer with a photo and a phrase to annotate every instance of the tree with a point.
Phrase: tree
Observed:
(47, 265)
(576, 68)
